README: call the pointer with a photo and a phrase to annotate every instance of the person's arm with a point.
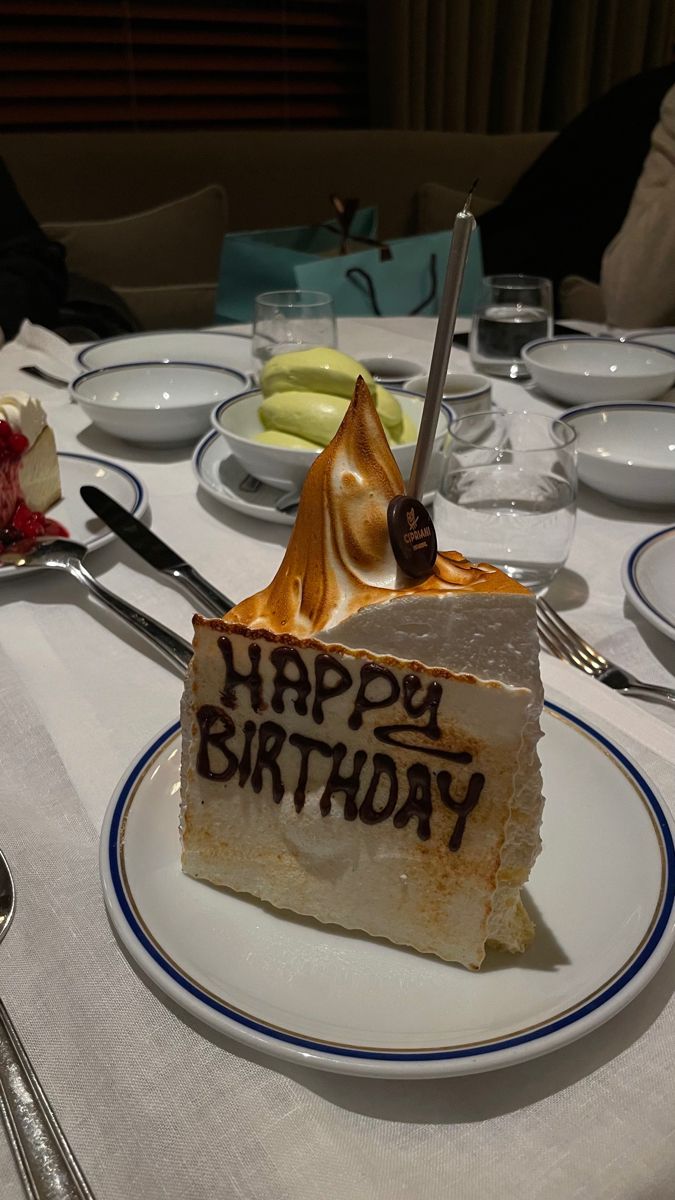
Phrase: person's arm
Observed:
(33, 275)
(638, 266)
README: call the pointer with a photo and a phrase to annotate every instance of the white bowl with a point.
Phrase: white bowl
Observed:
(627, 451)
(465, 393)
(663, 339)
(387, 368)
(599, 370)
(198, 346)
(285, 468)
(158, 404)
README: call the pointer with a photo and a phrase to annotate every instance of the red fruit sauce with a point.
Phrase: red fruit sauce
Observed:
(23, 524)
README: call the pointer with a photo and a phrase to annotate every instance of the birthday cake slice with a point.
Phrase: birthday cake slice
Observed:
(360, 748)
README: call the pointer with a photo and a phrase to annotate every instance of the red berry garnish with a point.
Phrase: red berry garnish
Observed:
(18, 444)
(5, 431)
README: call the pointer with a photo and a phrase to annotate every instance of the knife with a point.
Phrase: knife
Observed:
(154, 551)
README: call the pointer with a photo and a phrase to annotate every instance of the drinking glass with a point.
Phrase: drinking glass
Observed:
(291, 320)
(512, 310)
(508, 493)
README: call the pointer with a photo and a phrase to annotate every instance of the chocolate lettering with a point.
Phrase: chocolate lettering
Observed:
(233, 678)
(245, 760)
(370, 674)
(271, 738)
(349, 784)
(418, 802)
(305, 745)
(282, 657)
(208, 716)
(461, 807)
(323, 690)
(430, 703)
(383, 766)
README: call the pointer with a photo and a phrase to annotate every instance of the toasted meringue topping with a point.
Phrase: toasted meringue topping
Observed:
(339, 558)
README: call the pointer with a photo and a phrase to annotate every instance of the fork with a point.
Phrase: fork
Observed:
(567, 644)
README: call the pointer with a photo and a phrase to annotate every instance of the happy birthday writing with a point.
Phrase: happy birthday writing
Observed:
(373, 787)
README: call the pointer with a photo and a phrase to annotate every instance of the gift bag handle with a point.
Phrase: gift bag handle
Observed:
(345, 211)
(361, 279)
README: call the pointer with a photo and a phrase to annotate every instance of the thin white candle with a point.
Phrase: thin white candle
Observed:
(461, 235)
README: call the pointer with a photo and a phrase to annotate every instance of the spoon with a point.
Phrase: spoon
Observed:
(47, 1165)
(62, 554)
(38, 373)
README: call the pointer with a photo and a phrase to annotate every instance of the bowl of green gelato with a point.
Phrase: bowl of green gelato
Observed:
(277, 430)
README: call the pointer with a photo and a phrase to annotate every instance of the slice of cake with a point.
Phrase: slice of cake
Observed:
(29, 469)
(362, 749)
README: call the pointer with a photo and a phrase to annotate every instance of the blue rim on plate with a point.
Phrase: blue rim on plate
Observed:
(139, 489)
(642, 406)
(610, 996)
(632, 584)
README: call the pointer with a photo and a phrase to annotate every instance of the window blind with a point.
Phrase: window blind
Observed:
(125, 64)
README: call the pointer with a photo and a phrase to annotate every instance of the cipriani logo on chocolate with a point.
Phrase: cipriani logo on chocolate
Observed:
(412, 536)
(340, 732)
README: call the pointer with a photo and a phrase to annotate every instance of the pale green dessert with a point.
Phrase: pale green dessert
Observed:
(306, 394)
(277, 437)
(315, 416)
(318, 370)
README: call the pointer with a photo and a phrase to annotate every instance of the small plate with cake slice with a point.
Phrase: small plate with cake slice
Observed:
(602, 895)
(356, 805)
(40, 486)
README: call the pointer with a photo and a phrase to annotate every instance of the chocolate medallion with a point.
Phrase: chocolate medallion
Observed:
(412, 536)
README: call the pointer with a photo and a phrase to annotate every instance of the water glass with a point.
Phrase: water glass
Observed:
(507, 494)
(291, 320)
(512, 310)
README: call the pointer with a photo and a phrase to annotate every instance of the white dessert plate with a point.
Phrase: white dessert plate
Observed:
(224, 478)
(602, 896)
(203, 346)
(71, 511)
(648, 577)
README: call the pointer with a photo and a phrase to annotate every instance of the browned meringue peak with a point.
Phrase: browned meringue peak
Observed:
(339, 557)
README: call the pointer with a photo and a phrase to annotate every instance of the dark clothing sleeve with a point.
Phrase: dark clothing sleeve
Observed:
(33, 275)
(568, 206)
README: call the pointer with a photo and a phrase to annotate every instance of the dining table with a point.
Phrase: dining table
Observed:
(156, 1104)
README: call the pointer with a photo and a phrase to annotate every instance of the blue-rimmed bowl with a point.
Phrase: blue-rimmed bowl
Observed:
(599, 370)
(284, 467)
(627, 451)
(155, 403)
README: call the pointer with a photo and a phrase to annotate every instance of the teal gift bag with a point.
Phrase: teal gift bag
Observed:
(408, 279)
(266, 260)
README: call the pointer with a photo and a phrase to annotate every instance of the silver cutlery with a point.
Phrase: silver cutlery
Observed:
(38, 373)
(567, 644)
(154, 551)
(63, 555)
(48, 1168)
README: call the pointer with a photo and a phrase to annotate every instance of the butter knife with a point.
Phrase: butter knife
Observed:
(154, 551)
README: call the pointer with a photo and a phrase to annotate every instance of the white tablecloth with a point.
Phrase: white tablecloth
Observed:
(156, 1108)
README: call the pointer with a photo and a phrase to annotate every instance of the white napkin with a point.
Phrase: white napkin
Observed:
(37, 347)
(156, 1109)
